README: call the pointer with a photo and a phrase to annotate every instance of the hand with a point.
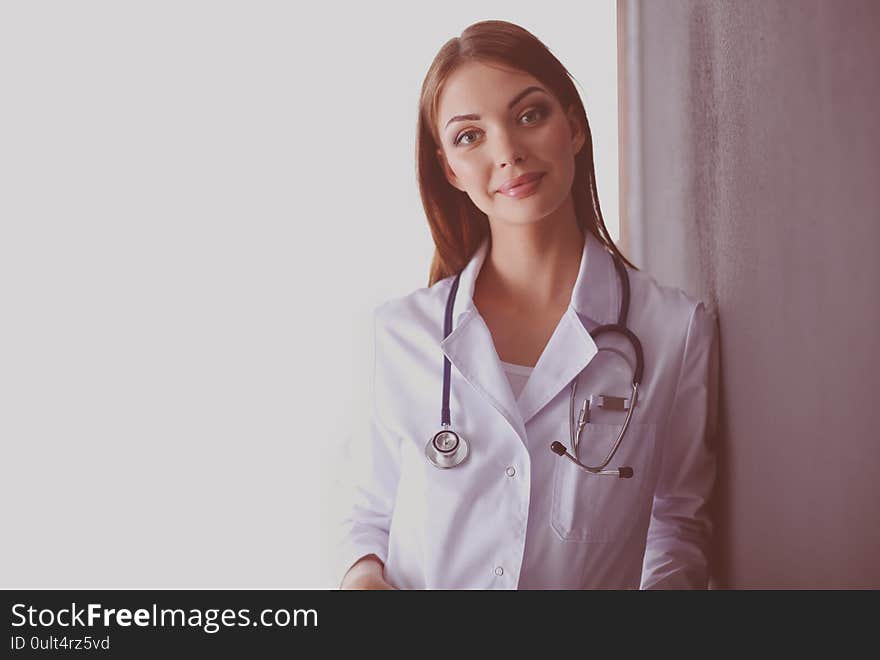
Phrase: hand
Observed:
(367, 582)
(367, 574)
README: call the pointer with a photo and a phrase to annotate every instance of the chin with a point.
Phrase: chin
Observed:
(533, 209)
(521, 220)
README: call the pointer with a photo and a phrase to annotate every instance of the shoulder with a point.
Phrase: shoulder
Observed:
(679, 333)
(675, 320)
(415, 313)
(661, 306)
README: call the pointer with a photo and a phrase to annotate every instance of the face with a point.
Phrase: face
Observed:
(497, 124)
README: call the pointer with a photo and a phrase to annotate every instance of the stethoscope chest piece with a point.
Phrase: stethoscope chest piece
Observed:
(446, 449)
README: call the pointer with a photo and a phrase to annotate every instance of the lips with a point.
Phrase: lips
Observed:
(510, 184)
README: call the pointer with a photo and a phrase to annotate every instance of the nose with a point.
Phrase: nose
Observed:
(508, 151)
(513, 160)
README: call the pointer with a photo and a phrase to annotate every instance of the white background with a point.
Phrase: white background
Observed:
(200, 205)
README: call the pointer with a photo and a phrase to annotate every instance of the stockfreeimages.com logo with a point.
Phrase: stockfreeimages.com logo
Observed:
(209, 620)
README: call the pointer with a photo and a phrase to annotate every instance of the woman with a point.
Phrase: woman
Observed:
(524, 271)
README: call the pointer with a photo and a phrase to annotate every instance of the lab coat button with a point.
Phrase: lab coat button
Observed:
(499, 571)
(510, 471)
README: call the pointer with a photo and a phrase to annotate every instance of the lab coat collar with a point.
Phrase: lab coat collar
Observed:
(596, 294)
(464, 299)
(594, 301)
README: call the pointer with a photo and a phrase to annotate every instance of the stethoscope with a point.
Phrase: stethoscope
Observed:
(447, 448)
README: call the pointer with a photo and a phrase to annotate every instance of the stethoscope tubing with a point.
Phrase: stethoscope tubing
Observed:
(557, 447)
(447, 366)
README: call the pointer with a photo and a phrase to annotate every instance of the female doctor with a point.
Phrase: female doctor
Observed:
(496, 453)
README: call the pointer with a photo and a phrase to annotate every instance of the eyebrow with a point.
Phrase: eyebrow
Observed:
(513, 102)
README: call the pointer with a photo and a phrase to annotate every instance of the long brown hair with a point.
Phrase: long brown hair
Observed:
(457, 225)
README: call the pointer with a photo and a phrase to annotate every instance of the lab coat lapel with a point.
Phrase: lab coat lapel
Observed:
(594, 301)
(471, 350)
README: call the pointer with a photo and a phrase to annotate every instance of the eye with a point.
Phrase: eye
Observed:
(538, 112)
(460, 137)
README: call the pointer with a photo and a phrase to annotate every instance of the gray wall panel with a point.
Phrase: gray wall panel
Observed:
(760, 194)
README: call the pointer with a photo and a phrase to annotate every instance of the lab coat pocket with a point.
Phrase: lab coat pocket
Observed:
(598, 508)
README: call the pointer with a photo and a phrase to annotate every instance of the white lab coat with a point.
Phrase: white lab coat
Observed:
(514, 514)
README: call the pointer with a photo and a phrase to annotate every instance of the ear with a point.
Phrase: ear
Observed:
(447, 171)
(578, 130)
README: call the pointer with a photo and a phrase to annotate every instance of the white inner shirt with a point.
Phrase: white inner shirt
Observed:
(517, 374)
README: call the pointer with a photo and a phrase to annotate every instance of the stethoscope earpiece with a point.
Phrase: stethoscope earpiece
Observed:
(623, 472)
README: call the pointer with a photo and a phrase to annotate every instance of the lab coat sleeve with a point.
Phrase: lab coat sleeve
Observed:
(680, 526)
(374, 472)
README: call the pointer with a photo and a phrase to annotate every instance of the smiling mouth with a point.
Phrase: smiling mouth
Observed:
(521, 180)
(523, 189)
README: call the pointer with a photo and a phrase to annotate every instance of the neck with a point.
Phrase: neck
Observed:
(533, 266)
